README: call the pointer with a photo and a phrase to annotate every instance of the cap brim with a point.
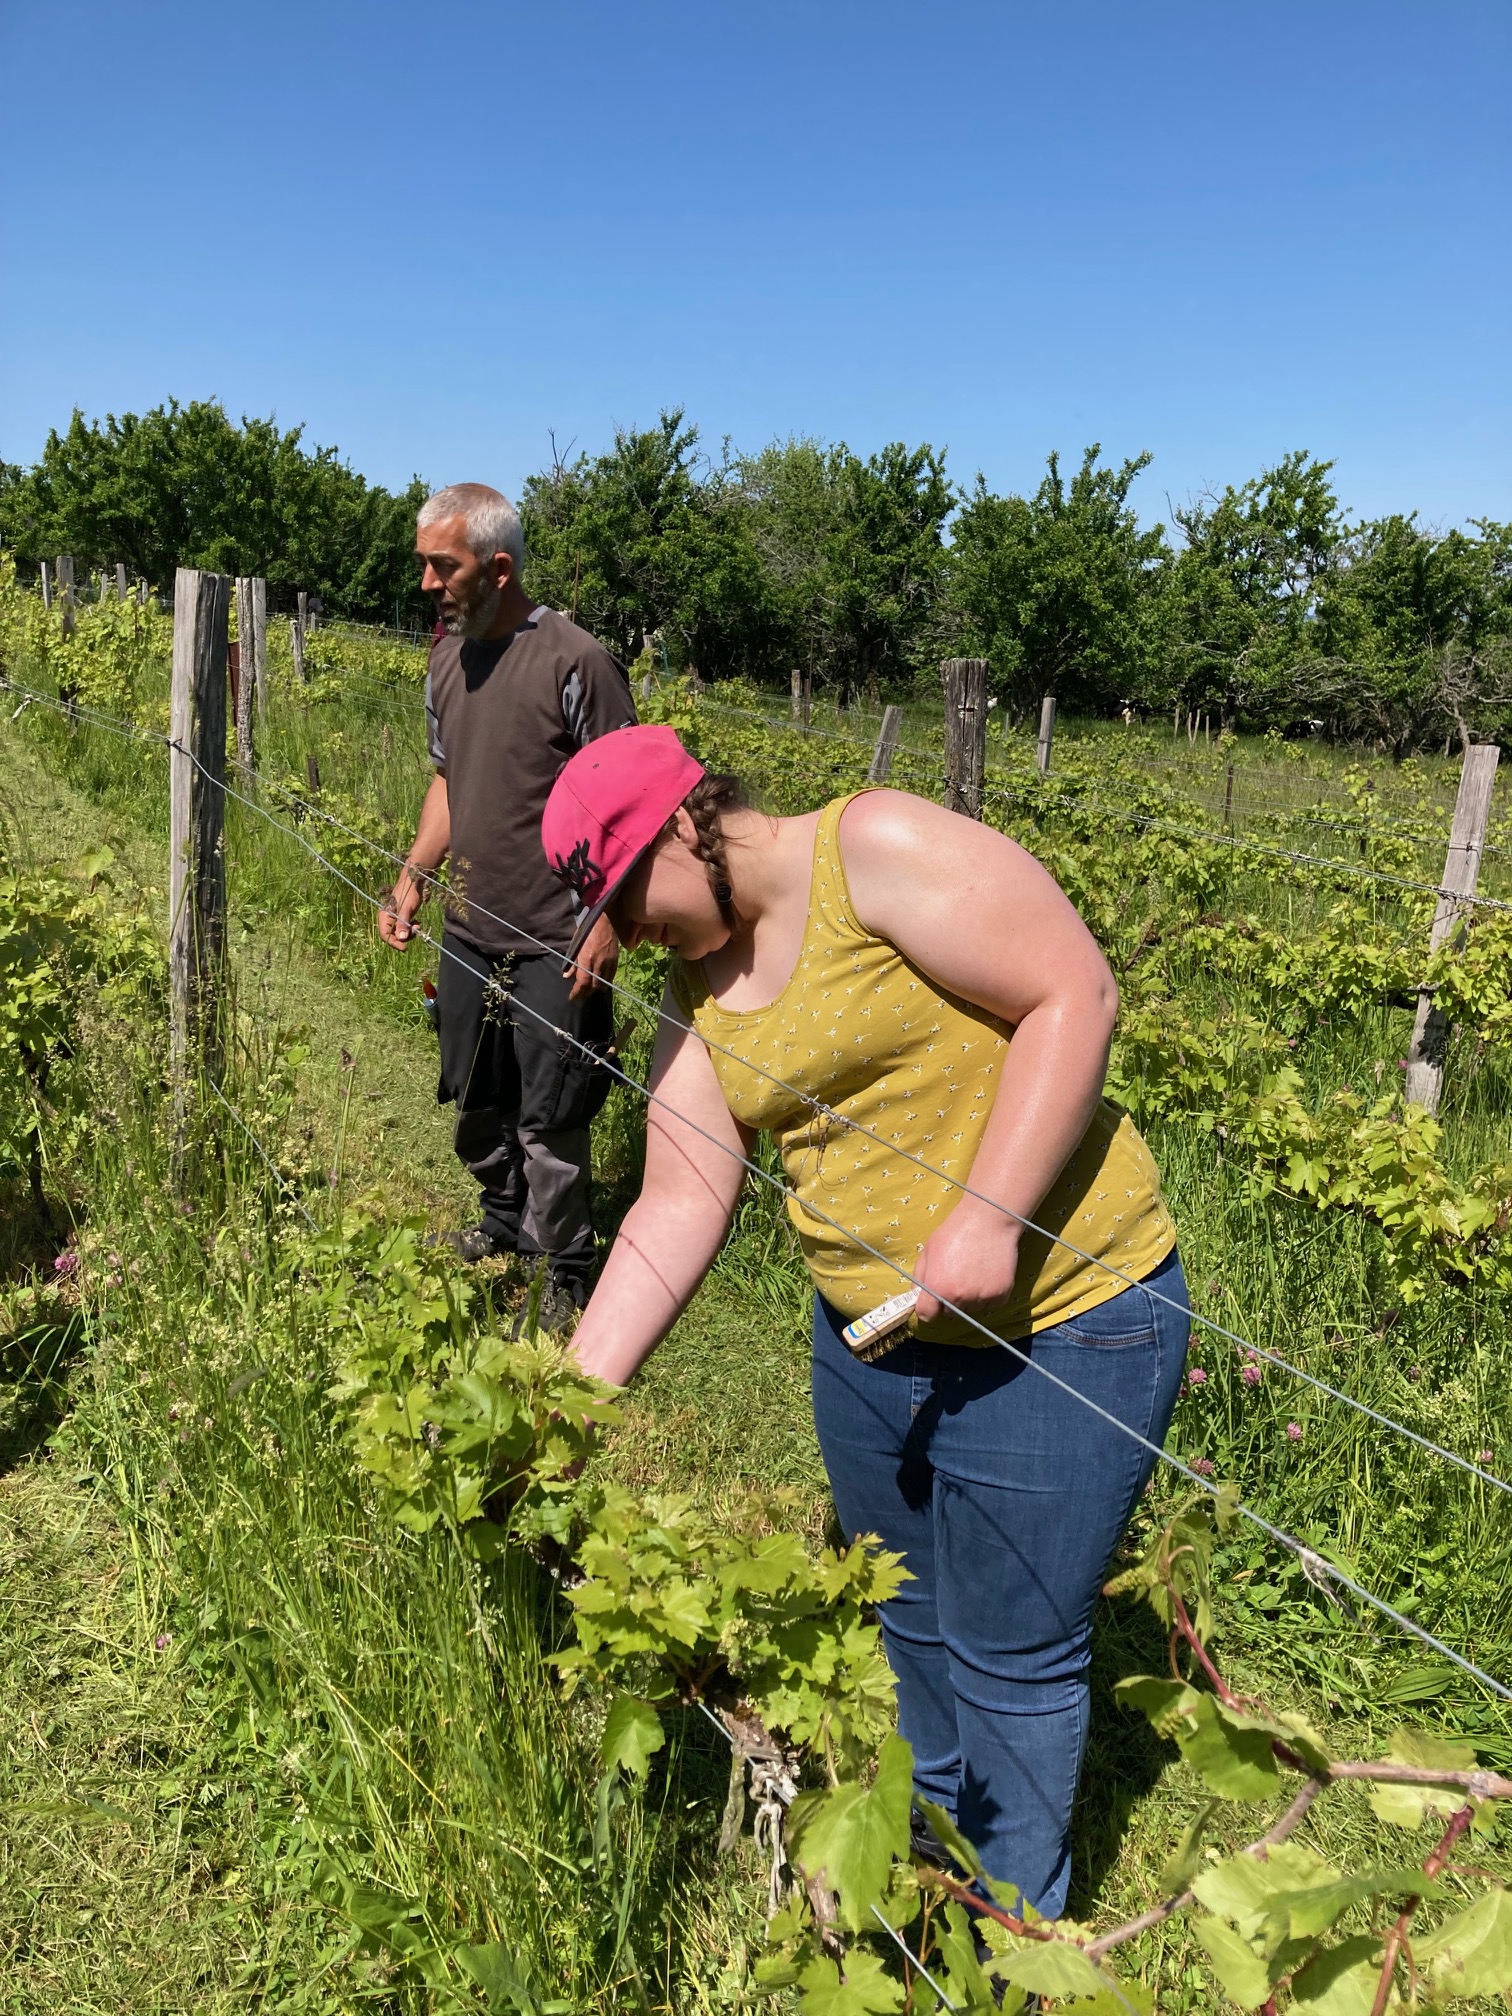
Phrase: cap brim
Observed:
(591, 916)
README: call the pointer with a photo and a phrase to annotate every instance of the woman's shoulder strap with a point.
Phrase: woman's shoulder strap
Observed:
(831, 893)
(687, 985)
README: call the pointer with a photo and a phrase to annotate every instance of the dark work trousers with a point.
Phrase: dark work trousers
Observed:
(524, 1096)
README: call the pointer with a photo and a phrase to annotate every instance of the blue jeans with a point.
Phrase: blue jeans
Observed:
(1006, 1498)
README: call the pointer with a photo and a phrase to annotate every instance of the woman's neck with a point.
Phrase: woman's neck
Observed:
(771, 866)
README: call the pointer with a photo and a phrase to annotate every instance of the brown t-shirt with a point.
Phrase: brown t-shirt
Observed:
(504, 717)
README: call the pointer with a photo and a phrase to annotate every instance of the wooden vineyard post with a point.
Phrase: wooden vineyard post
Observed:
(120, 574)
(241, 682)
(808, 700)
(46, 584)
(257, 666)
(296, 647)
(196, 821)
(965, 733)
(65, 568)
(142, 591)
(797, 686)
(1046, 735)
(1467, 838)
(887, 746)
(1228, 801)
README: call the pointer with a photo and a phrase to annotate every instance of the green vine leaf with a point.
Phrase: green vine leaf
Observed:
(1302, 1914)
(1049, 1967)
(862, 1990)
(853, 1832)
(1252, 1952)
(1185, 1859)
(1242, 1972)
(1343, 1980)
(1229, 1751)
(632, 1736)
(1410, 1805)
(1119, 1998)
(1470, 1954)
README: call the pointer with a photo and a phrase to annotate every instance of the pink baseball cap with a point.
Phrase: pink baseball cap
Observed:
(608, 807)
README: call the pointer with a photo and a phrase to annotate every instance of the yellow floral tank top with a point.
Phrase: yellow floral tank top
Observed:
(866, 1033)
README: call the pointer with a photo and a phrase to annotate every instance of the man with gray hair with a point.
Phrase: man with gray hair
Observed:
(513, 689)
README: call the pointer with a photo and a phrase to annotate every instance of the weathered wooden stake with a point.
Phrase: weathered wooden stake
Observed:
(259, 660)
(196, 820)
(1467, 839)
(312, 775)
(241, 671)
(1228, 801)
(796, 679)
(808, 700)
(1046, 734)
(65, 568)
(46, 585)
(887, 746)
(296, 646)
(965, 733)
(142, 592)
(120, 572)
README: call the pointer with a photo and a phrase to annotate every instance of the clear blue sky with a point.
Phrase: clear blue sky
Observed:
(433, 235)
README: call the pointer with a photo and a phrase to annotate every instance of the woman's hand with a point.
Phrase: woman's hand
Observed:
(971, 1260)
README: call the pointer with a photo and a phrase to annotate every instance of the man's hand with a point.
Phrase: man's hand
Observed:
(397, 915)
(971, 1260)
(596, 961)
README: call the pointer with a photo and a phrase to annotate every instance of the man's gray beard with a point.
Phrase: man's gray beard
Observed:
(474, 622)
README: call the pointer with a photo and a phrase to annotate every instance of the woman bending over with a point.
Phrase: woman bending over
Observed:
(925, 980)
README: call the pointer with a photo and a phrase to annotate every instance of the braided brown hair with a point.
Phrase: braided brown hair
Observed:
(708, 804)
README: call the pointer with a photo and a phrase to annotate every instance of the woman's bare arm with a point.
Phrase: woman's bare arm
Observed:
(672, 1232)
(984, 920)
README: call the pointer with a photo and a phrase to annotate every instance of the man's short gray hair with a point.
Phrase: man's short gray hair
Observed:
(493, 524)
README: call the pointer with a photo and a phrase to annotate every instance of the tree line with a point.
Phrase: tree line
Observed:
(184, 486)
(1263, 604)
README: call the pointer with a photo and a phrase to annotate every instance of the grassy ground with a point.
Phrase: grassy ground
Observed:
(235, 1716)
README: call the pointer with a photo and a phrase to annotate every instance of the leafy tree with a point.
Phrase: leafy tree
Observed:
(1062, 592)
(1412, 635)
(884, 558)
(789, 497)
(1245, 587)
(183, 486)
(640, 543)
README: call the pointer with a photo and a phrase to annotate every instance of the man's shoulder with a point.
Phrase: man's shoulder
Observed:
(571, 643)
